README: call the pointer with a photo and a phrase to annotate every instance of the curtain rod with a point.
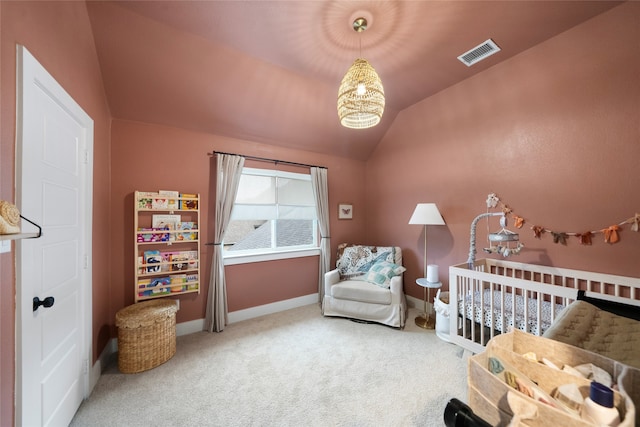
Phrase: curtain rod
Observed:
(264, 159)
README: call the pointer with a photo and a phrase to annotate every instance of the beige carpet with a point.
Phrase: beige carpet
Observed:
(294, 368)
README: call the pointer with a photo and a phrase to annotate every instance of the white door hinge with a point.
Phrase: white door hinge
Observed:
(86, 262)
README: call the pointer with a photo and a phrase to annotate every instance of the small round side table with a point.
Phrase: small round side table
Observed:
(426, 321)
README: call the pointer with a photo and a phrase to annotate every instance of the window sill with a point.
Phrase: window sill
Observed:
(272, 256)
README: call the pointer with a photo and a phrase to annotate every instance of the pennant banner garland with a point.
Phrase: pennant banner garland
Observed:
(611, 233)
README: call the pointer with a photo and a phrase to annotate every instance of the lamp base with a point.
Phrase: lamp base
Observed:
(426, 322)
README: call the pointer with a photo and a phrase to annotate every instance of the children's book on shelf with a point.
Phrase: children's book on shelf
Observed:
(166, 259)
(192, 257)
(160, 282)
(157, 286)
(146, 235)
(152, 260)
(160, 202)
(144, 203)
(178, 279)
(172, 204)
(191, 235)
(140, 264)
(145, 199)
(186, 203)
(172, 198)
(178, 283)
(165, 222)
(179, 261)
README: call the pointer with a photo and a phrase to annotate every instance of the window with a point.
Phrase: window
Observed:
(273, 212)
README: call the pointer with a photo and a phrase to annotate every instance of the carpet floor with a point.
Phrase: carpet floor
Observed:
(293, 368)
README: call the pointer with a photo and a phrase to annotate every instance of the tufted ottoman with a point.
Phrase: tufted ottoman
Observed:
(146, 335)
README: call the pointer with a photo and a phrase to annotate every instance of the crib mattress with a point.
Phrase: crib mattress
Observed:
(483, 315)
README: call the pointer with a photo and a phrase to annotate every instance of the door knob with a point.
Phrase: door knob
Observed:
(47, 302)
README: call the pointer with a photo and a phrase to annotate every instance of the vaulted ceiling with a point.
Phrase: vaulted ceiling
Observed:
(269, 71)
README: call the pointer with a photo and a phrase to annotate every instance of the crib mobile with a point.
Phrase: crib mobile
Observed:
(503, 242)
(501, 237)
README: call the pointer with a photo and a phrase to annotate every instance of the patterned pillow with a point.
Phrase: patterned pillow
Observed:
(381, 273)
(356, 260)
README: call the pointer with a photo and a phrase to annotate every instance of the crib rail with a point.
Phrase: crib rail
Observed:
(507, 283)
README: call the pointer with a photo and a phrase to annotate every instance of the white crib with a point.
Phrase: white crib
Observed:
(498, 295)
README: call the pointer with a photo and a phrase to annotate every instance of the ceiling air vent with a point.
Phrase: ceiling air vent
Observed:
(479, 53)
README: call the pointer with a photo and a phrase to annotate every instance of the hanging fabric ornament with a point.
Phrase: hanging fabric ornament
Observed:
(635, 223)
(518, 221)
(585, 238)
(492, 200)
(505, 251)
(537, 231)
(611, 234)
(560, 237)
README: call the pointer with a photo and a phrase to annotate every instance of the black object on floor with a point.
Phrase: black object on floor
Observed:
(458, 414)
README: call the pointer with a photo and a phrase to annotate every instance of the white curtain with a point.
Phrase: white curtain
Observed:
(321, 193)
(229, 170)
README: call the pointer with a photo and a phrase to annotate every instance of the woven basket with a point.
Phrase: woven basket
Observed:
(146, 335)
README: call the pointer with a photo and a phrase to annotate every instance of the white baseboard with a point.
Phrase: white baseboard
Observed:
(186, 328)
(102, 362)
(262, 310)
(413, 302)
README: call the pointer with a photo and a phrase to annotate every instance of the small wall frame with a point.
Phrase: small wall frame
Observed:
(345, 211)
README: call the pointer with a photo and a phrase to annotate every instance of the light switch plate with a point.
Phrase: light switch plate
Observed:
(5, 246)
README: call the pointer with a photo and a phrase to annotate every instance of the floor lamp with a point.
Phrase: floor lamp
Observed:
(426, 214)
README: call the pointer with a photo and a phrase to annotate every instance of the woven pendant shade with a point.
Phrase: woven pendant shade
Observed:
(360, 97)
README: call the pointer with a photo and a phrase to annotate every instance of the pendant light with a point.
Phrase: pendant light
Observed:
(361, 95)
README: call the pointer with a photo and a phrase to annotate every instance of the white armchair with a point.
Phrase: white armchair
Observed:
(367, 284)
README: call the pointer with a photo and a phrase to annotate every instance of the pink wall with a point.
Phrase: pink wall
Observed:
(149, 157)
(554, 131)
(58, 34)
(268, 282)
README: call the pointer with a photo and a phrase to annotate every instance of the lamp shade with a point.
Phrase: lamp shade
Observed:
(360, 97)
(426, 214)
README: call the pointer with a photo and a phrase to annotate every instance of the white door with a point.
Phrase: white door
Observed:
(54, 189)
